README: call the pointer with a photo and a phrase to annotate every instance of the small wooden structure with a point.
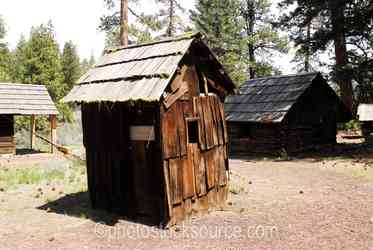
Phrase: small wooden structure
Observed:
(365, 114)
(154, 130)
(283, 113)
(23, 99)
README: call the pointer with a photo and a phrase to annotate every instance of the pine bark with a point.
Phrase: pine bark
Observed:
(308, 53)
(171, 25)
(124, 22)
(343, 76)
(250, 22)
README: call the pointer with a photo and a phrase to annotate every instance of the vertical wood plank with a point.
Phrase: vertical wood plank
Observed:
(171, 144)
(167, 187)
(181, 129)
(210, 168)
(214, 123)
(224, 122)
(176, 180)
(53, 131)
(222, 167)
(219, 121)
(188, 174)
(198, 110)
(208, 123)
(32, 131)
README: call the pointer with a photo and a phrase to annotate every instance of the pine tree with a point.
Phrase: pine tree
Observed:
(87, 64)
(171, 18)
(70, 64)
(5, 55)
(260, 38)
(138, 31)
(19, 54)
(92, 60)
(341, 23)
(241, 34)
(220, 22)
(39, 61)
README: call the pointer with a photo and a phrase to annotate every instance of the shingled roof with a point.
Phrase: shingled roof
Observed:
(25, 99)
(138, 72)
(268, 99)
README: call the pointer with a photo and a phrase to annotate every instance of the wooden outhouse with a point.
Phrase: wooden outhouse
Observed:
(154, 130)
(283, 114)
(26, 100)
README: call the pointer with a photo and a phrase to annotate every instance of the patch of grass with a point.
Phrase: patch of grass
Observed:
(365, 172)
(235, 188)
(13, 177)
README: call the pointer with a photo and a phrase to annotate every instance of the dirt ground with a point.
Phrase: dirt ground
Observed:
(299, 203)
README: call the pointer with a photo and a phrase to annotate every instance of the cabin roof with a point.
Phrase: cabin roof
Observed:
(269, 99)
(137, 72)
(25, 99)
(365, 112)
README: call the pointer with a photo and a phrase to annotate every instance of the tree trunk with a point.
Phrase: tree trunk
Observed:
(307, 56)
(343, 74)
(124, 22)
(249, 16)
(171, 25)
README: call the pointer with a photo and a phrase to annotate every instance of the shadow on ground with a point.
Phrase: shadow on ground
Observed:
(27, 151)
(354, 151)
(79, 205)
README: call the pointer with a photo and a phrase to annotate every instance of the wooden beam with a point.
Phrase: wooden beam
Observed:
(32, 132)
(53, 131)
(205, 85)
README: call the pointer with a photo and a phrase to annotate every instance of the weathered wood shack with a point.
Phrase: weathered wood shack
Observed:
(154, 130)
(283, 113)
(26, 100)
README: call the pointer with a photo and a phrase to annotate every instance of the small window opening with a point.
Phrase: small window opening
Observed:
(246, 132)
(193, 131)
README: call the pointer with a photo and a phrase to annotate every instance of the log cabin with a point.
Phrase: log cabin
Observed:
(154, 130)
(24, 100)
(283, 114)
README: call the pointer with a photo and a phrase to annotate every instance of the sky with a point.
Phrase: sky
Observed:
(75, 20)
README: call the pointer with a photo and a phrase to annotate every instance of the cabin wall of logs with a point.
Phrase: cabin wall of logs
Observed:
(276, 138)
(159, 162)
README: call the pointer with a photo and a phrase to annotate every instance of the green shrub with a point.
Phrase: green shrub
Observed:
(353, 125)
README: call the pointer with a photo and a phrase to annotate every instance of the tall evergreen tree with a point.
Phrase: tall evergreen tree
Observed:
(220, 22)
(19, 54)
(40, 62)
(261, 40)
(138, 31)
(241, 34)
(5, 55)
(171, 17)
(70, 64)
(342, 24)
(92, 59)
(86, 64)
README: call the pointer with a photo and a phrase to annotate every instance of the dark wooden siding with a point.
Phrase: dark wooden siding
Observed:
(122, 174)
(7, 143)
(311, 121)
(254, 138)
